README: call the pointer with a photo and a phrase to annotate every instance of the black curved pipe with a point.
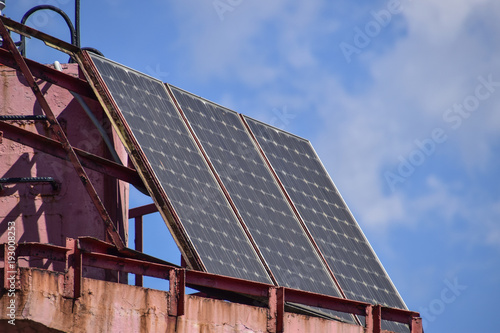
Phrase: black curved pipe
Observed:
(74, 38)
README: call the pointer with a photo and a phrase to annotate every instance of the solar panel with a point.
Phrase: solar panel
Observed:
(352, 259)
(194, 205)
(221, 201)
(264, 209)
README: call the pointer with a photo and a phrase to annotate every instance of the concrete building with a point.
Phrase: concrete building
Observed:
(64, 228)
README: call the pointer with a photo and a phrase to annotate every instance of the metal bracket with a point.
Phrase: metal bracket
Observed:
(17, 180)
(24, 117)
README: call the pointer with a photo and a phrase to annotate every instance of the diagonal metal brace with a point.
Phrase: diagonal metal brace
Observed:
(61, 137)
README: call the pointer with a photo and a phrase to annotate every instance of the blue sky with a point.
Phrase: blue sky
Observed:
(400, 99)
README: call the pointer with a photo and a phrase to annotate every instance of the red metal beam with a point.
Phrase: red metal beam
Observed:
(49, 74)
(138, 245)
(55, 148)
(90, 244)
(324, 301)
(47, 251)
(142, 210)
(398, 315)
(196, 278)
(47, 39)
(106, 261)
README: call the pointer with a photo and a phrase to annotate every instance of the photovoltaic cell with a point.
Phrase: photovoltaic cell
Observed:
(352, 259)
(262, 205)
(210, 223)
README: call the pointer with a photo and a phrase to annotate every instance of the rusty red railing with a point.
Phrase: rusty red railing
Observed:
(90, 252)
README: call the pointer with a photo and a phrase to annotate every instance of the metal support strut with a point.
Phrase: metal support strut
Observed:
(61, 137)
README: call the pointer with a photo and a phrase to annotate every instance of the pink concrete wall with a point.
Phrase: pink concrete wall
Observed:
(41, 214)
(111, 307)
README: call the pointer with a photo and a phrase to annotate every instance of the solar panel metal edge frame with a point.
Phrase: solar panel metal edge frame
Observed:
(139, 159)
(244, 117)
(268, 165)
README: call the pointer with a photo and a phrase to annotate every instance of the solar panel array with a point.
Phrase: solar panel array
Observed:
(253, 201)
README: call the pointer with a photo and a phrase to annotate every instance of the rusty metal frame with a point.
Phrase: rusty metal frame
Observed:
(54, 124)
(47, 39)
(89, 252)
(140, 162)
(142, 210)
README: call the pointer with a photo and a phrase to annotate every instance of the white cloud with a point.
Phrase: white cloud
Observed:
(430, 69)
(272, 47)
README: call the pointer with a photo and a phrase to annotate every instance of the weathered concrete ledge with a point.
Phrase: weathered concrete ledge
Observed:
(112, 307)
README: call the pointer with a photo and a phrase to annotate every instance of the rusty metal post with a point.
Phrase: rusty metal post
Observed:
(276, 317)
(177, 292)
(416, 325)
(377, 318)
(73, 276)
(138, 245)
(59, 133)
(369, 319)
